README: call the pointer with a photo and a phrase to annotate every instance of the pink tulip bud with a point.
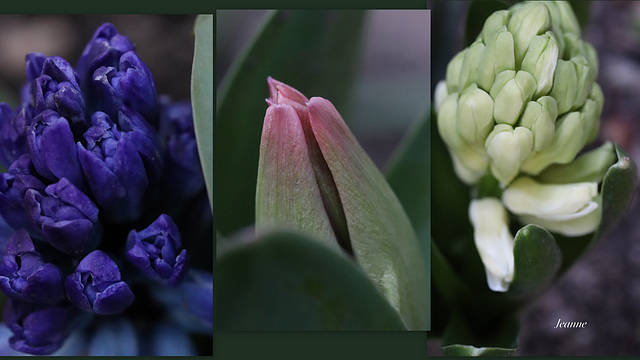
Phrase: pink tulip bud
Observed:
(314, 177)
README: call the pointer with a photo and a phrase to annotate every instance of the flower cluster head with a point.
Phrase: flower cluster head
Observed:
(85, 152)
(518, 105)
(521, 97)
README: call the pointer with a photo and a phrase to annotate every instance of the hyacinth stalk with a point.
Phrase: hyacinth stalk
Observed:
(518, 105)
(314, 177)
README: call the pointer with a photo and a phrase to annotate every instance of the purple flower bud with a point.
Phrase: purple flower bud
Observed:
(114, 170)
(38, 329)
(156, 251)
(182, 170)
(12, 134)
(13, 187)
(25, 275)
(66, 217)
(131, 85)
(96, 286)
(57, 89)
(104, 49)
(53, 149)
(145, 139)
(34, 63)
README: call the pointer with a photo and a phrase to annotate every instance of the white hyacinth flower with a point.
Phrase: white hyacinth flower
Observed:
(493, 241)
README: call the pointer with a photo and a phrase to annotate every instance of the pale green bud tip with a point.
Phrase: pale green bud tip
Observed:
(507, 148)
(511, 98)
(571, 209)
(474, 119)
(493, 241)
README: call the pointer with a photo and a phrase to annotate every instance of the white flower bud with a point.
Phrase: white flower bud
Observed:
(493, 241)
(571, 209)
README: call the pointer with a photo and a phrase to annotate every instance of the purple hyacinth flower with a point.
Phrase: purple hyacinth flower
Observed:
(34, 63)
(145, 139)
(130, 84)
(104, 49)
(156, 251)
(25, 275)
(66, 217)
(12, 133)
(182, 169)
(13, 187)
(96, 286)
(52, 148)
(57, 89)
(38, 329)
(114, 170)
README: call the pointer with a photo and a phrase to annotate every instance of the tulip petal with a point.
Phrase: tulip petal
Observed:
(383, 241)
(287, 192)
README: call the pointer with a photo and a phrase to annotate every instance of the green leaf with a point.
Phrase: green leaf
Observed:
(409, 175)
(288, 282)
(618, 187)
(537, 259)
(477, 13)
(202, 96)
(314, 51)
(463, 338)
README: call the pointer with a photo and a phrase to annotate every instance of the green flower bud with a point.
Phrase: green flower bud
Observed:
(494, 23)
(530, 20)
(453, 71)
(474, 119)
(565, 83)
(584, 75)
(540, 61)
(470, 162)
(471, 64)
(511, 91)
(507, 148)
(498, 57)
(540, 117)
(591, 113)
(562, 14)
(565, 145)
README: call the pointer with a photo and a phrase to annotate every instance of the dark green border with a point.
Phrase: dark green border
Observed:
(321, 346)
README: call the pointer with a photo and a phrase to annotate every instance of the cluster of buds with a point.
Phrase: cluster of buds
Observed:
(88, 150)
(518, 105)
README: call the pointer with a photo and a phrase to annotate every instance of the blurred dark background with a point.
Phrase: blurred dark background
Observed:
(163, 42)
(391, 84)
(603, 288)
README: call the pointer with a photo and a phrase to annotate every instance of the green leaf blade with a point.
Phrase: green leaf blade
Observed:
(202, 96)
(288, 282)
(537, 259)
